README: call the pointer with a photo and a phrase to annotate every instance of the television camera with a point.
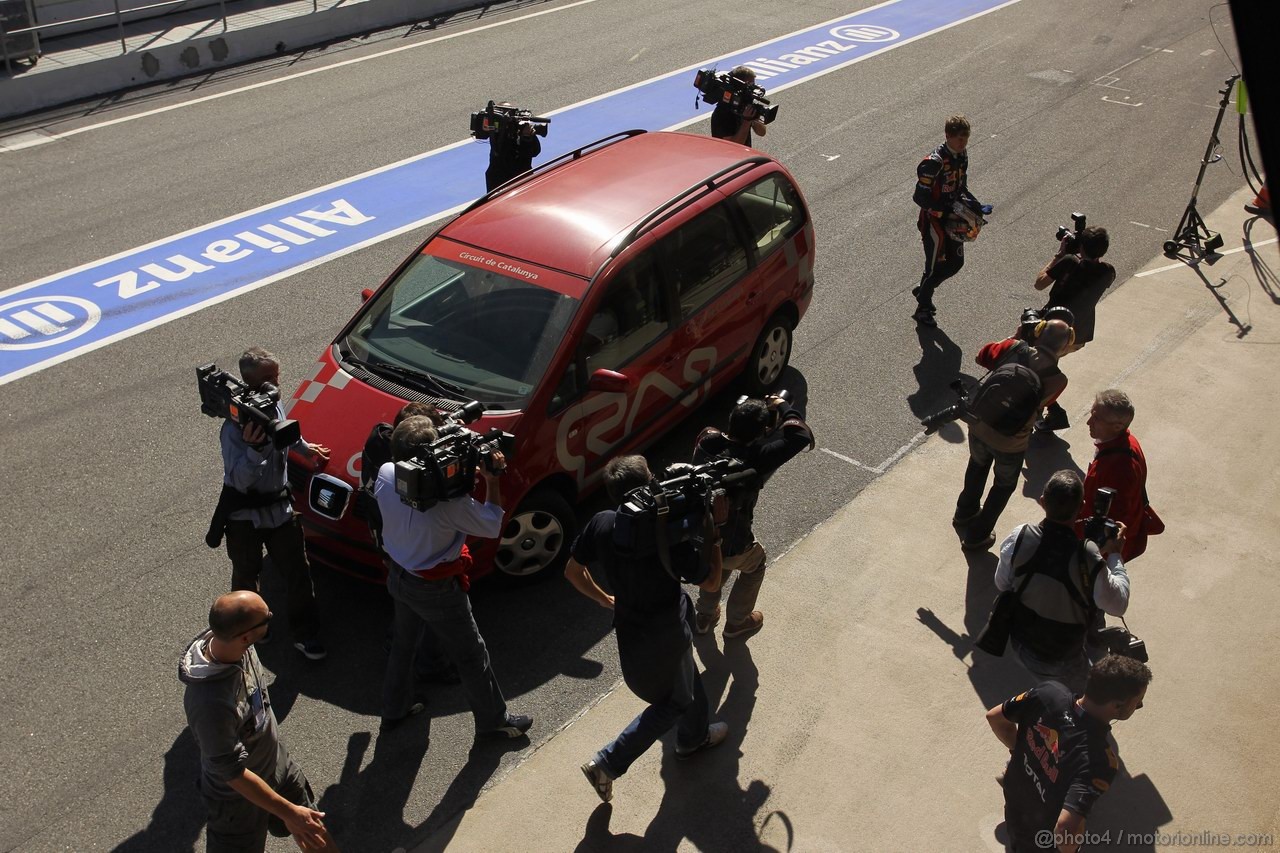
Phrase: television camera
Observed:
(446, 468)
(224, 396)
(667, 512)
(747, 100)
(505, 121)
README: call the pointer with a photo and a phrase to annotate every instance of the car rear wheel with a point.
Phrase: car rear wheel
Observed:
(769, 356)
(537, 536)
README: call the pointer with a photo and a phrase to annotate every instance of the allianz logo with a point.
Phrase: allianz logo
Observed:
(766, 67)
(43, 321)
(279, 237)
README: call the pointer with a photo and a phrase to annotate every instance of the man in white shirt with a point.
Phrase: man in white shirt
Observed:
(428, 583)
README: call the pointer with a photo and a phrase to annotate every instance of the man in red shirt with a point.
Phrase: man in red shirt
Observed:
(1118, 463)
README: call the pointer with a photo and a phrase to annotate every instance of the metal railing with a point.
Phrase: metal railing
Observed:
(117, 14)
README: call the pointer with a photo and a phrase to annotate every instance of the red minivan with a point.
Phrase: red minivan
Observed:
(589, 305)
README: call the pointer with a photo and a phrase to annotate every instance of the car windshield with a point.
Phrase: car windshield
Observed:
(475, 333)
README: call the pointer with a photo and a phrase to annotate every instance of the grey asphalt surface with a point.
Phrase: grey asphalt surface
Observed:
(110, 471)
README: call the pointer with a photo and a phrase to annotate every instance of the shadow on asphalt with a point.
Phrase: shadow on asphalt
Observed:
(179, 816)
(702, 803)
(1046, 455)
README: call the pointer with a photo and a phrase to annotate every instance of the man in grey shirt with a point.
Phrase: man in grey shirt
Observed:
(1062, 584)
(247, 780)
(255, 468)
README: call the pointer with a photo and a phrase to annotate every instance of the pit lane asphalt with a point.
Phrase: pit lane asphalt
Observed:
(110, 471)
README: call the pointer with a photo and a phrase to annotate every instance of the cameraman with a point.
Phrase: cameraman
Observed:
(651, 618)
(428, 583)
(511, 152)
(990, 448)
(726, 124)
(1062, 583)
(765, 435)
(255, 488)
(1077, 278)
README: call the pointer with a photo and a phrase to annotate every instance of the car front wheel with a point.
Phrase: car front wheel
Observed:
(537, 536)
(769, 356)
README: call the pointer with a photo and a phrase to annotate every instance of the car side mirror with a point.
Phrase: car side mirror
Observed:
(366, 294)
(609, 381)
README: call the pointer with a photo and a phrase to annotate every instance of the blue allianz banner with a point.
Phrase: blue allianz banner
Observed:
(76, 311)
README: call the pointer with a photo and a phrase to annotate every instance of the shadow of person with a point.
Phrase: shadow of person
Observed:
(1046, 455)
(365, 808)
(482, 761)
(1130, 814)
(179, 817)
(702, 801)
(994, 679)
(937, 369)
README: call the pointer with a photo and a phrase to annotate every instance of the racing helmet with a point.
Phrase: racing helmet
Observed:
(963, 223)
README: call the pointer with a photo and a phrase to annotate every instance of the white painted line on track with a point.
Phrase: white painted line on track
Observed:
(1183, 264)
(886, 464)
(28, 142)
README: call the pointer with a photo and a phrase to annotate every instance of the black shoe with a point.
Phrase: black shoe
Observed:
(924, 317)
(389, 723)
(983, 544)
(516, 726)
(312, 649)
(716, 733)
(958, 521)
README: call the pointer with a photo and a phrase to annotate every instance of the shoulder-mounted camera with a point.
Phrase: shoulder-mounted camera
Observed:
(673, 510)
(747, 100)
(505, 121)
(446, 468)
(224, 396)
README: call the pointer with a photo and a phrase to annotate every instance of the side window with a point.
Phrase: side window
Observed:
(629, 319)
(705, 255)
(773, 211)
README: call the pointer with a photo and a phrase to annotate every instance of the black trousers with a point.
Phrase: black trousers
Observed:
(284, 544)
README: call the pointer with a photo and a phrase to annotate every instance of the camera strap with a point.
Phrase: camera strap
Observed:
(662, 511)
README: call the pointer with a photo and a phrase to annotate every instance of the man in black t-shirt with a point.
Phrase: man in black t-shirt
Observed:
(651, 615)
(1077, 278)
(727, 124)
(1062, 757)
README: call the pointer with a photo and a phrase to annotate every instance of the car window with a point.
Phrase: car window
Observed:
(705, 255)
(773, 211)
(631, 316)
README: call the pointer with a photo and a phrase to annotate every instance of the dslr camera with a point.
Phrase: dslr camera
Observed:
(1118, 641)
(446, 468)
(504, 122)
(674, 509)
(1072, 235)
(747, 100)
(224, 396)
(1031, 319)
(780, 394)
(1098, 528)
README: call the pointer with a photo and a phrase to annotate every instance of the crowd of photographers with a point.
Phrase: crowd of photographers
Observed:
(692, 524)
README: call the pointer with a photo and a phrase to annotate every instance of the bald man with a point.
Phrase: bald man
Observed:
(249, 783)
(989, 448)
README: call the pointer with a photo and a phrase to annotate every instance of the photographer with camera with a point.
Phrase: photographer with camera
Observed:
(763, 435)
(256, 507)
(1061, 583)
(651, 616)
(1077, 278)
(1062, 757)
(726, 120)
(428, 583)
(1023, 380)
(1120, 465)
(949, 214)
(513, 141)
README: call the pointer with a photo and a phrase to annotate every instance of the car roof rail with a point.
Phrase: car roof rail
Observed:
(672, 205)
(612, 139)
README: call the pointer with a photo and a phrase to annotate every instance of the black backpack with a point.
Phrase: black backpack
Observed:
(1009, 396)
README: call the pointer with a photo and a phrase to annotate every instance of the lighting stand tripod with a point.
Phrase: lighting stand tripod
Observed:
(1194, 240)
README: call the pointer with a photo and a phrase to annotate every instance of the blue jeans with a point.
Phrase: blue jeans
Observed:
(1071, 673)
(982, 457)
(439, 606)
(685, 708)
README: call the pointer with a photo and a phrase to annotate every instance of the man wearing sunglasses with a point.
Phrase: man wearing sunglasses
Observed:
(248, 782)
